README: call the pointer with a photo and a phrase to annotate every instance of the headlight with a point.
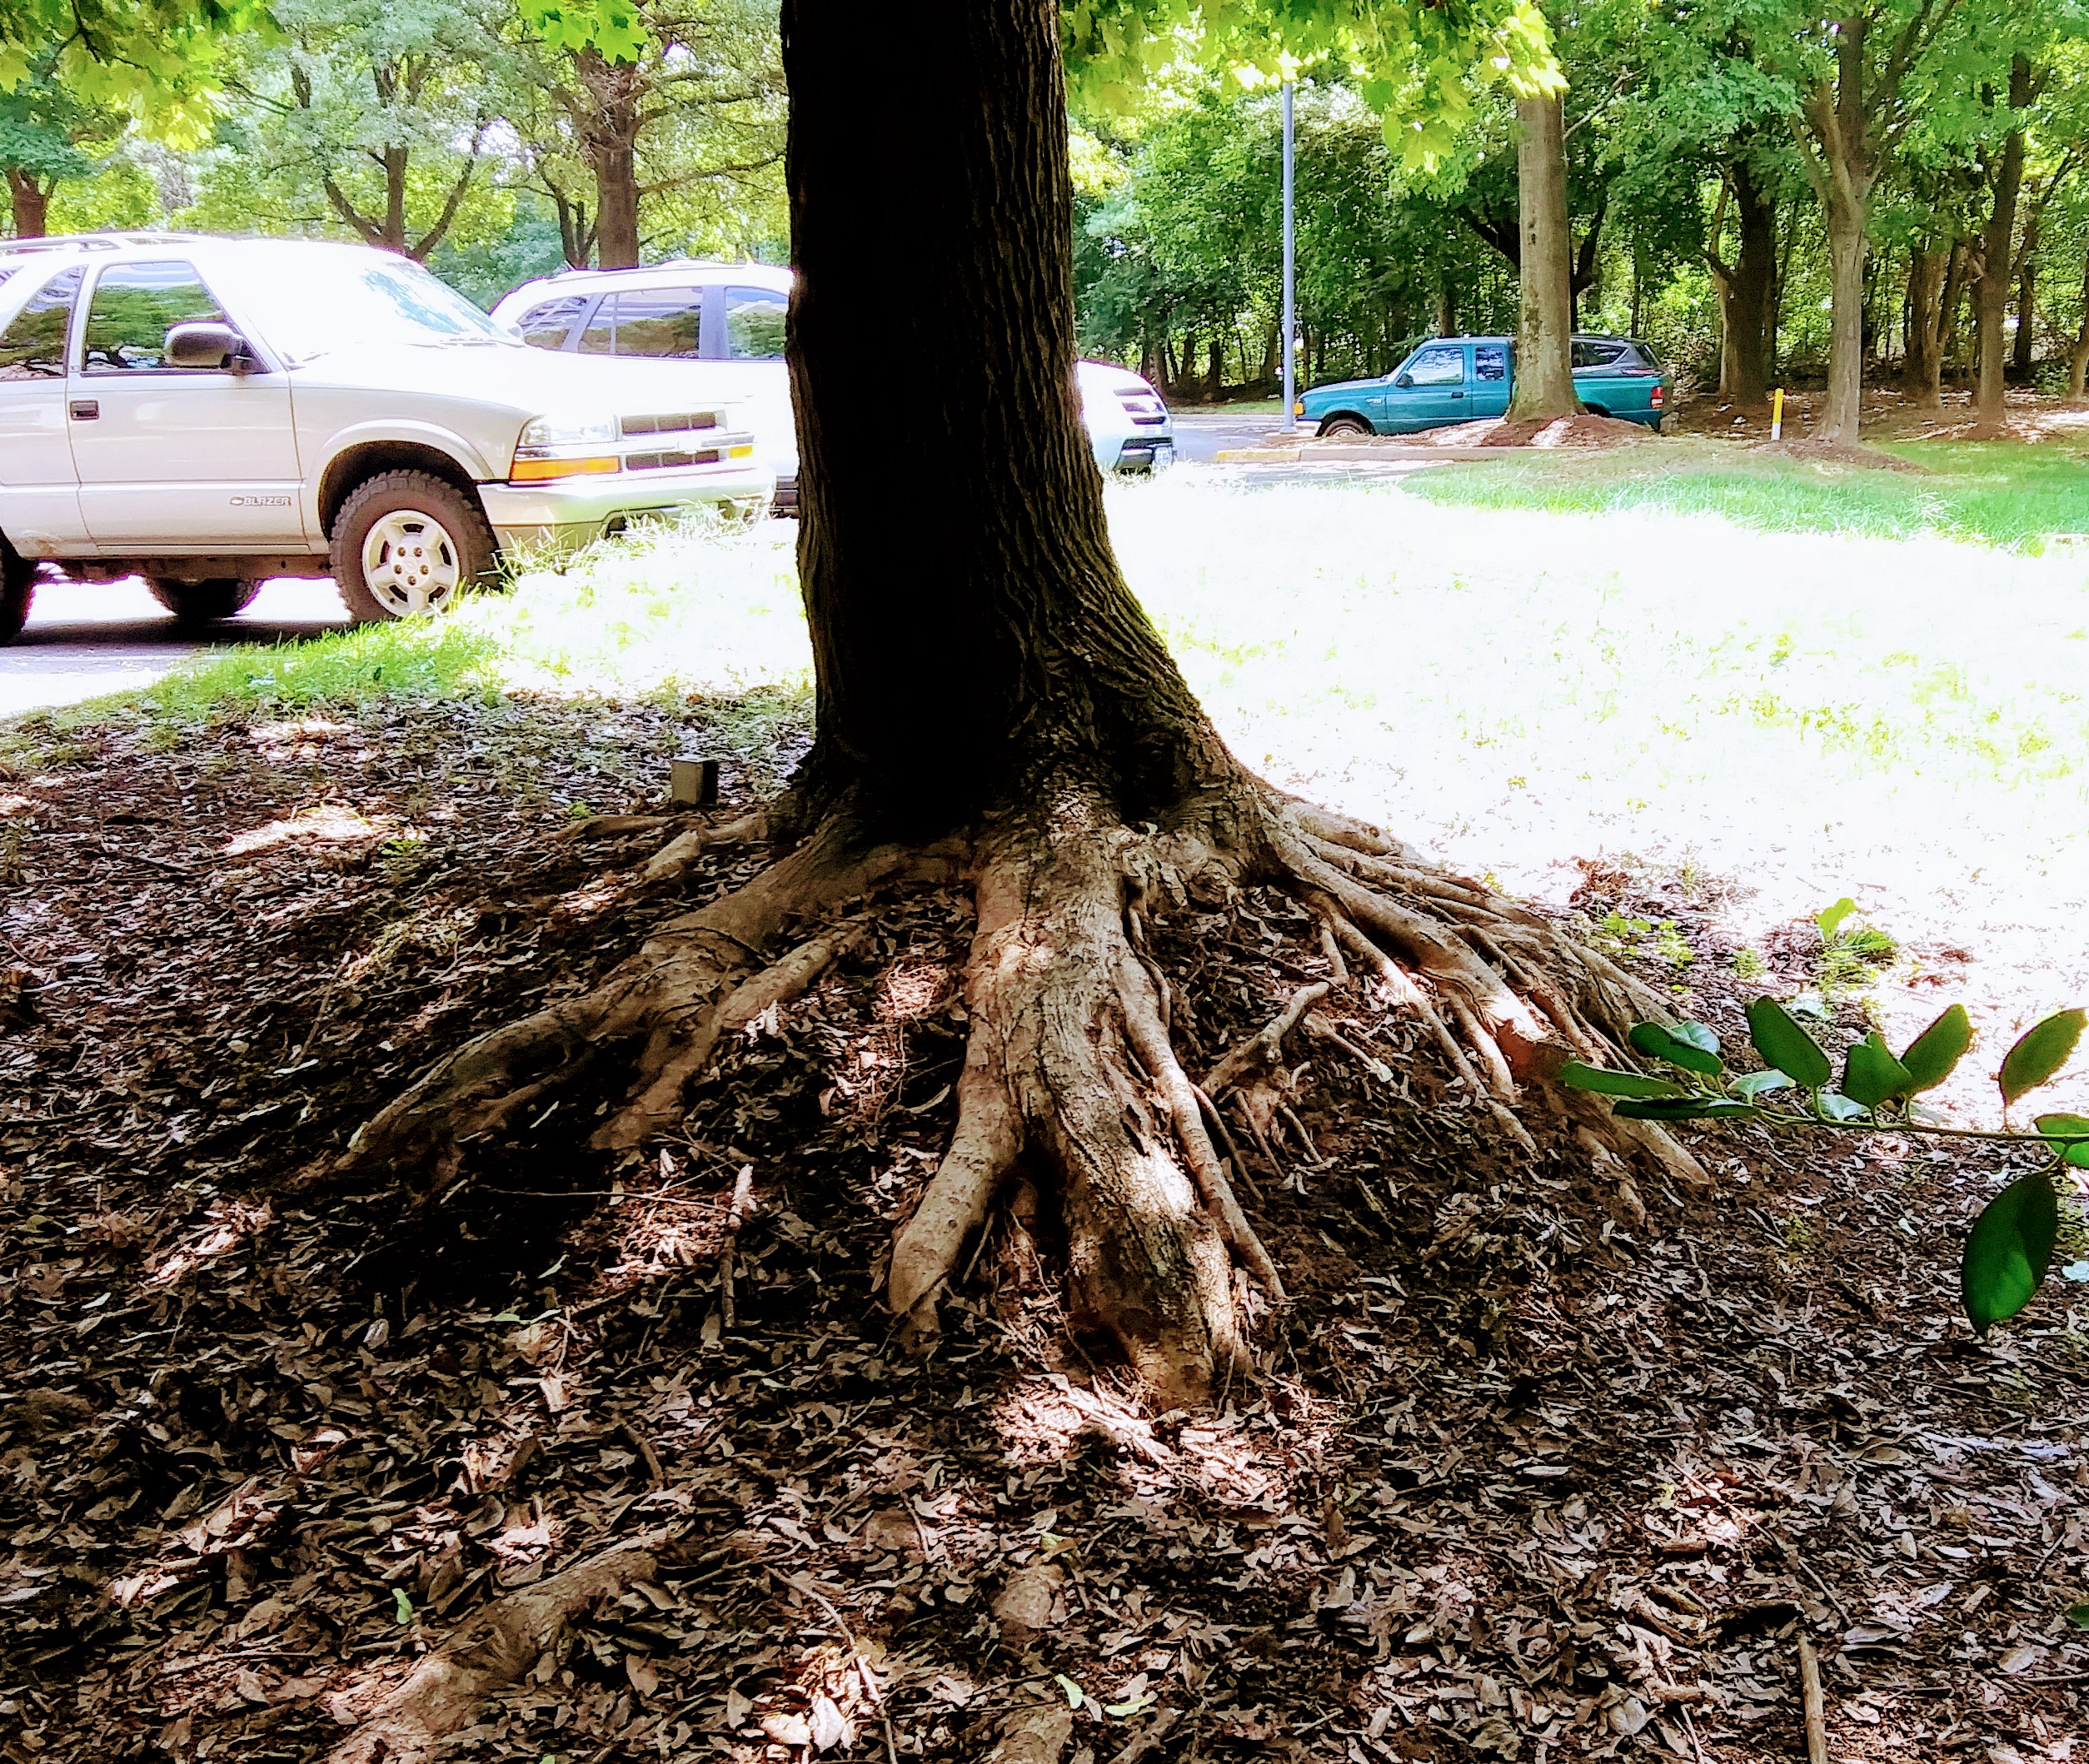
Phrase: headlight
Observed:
(566, 431)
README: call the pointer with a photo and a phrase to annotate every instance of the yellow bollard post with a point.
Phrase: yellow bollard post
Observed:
(1776, 414)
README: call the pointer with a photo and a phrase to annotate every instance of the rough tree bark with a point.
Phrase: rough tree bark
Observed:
(609, 142)
(995, 710)
(1545, 378)
(1922, 365)
(1997, 259)
(30, 198)
(2078, 357)
(1745, 287)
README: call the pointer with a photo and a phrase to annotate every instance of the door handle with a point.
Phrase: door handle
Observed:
(1457, 395)
(86, 410)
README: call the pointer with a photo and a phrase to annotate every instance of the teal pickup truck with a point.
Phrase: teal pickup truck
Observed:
(1461, 379)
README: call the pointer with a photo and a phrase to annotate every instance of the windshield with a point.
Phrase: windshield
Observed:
(356, 302)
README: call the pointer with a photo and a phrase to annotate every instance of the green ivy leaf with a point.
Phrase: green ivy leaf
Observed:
(1699, 1035)
(1075, 1696)
(2078, 1614)
(2043, 1050)
(402, 1606)
(1871, 1075)
(1836, 1107)
(2008, 1250)
(1830, 918)
(1658, 1042)
(1604, 1083)
(1782, 1043)
(2063, 1126)
(1752, 1085)
(1688, 1109)
(1931, 1055)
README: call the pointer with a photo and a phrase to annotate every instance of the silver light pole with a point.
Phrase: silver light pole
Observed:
(1290, 266)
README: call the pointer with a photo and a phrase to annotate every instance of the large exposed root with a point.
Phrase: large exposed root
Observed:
(500, 1643)
(1071, 1074)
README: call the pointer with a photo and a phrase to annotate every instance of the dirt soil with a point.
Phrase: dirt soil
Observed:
(1585, 431)
(1528, 1473)
(1887, 414)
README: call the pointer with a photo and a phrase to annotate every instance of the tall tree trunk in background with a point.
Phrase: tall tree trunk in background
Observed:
(1844, 404)
(2078, 357)
(2024, 346)
(1446, 309)
(31, 204)
(1957, 274)
(1215, 377)
(1998, 244)
(1746, 288)
(1544, 372)
(609, 144)
(1921, 368)
(393, 235)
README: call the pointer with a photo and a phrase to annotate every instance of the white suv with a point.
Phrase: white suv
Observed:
(722, 324)
(208, 413)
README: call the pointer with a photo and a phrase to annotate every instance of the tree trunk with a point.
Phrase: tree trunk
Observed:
(1997, 257)
(1215, 377)
(393, 235)
(32, 203)
(2023, 346)
(1446, 309)
(994, 710)
(2078, 357)
(1544, 373)
(1922, 367)
(1844, 404)
(1957, 273)
(609, 143)
(1746, 288)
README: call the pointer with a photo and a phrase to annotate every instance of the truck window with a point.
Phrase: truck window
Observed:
(1597, 355)
(134, 306)
(754, 324)
(660, 322)
(33, 347)
(1490, 362)
(549, 323)
(1442, 366)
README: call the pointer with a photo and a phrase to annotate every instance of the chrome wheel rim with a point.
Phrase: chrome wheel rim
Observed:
(409, 564)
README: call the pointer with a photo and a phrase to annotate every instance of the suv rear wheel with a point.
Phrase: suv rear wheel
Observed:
(18, 589)
(206, 602)
(405, 543)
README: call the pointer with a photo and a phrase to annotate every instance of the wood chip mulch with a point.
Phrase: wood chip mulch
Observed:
(1529, 1473)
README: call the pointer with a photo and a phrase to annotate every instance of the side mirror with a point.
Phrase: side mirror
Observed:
(206, 346)
(1403, 380)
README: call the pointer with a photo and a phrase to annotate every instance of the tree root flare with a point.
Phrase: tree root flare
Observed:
(1071, 1077)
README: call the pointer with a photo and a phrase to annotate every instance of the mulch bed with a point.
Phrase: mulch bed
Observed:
(1528, 1474)
(1584, 433)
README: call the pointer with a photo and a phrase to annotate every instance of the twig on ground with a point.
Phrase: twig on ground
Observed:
(862, 1665)
(643, 1448)
(1816, 1751)
(1266, 1044)
(743, 1204)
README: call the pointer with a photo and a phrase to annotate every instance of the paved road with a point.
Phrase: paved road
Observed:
(83, 640)
(1200, 436)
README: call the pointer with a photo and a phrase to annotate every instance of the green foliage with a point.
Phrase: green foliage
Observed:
(2010, 1245)
(2008, 1251)
(2045, 1047)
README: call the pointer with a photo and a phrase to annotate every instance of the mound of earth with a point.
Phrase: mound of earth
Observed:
(1839, 453)
(1585, 430)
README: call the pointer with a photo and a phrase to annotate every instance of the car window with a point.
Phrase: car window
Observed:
(32, 347)
(347, 299)
(549, 323)
(1597, 355)
(1442, 366)
(134, 306)
(754, 324)
(647, 321)
(1490, 362)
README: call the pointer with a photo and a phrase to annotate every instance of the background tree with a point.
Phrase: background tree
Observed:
(46, 130)
(681, 95)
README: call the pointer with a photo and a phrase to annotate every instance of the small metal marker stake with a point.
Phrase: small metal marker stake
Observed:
(692, 782)
(1776, 414)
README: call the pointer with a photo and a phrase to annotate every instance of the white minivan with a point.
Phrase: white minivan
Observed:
(727, 321)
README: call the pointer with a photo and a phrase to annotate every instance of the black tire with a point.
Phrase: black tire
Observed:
(17, 590)
(1594, 410)
(1337, 427)
(205, 602)
(406, 544)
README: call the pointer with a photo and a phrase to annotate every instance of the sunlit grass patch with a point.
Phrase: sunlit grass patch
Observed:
(2006, 493)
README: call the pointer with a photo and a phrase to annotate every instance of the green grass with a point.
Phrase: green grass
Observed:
(2016, 494)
